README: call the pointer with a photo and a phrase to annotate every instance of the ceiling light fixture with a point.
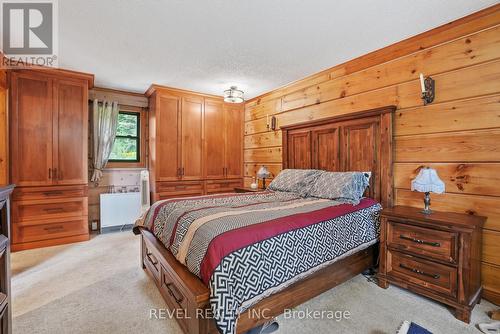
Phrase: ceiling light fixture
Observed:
(233, 95)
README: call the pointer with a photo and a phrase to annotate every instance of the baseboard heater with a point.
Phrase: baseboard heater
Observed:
(119, 210)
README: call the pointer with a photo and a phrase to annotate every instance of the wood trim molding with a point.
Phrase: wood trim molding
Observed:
(143, 139)
(340, 118)
(61, 73)
(122, 97)
(491, 295)
(155, 87)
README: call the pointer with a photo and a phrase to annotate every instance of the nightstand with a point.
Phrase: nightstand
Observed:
(436, 255)
(246, 190)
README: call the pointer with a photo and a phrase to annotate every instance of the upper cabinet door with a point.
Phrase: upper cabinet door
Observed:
(70, 132)
(31, 130)
(361, 149)
(299, 149)
(215, 137)
(326, 149)
(234, 140)
(168, 122)
(192, 138)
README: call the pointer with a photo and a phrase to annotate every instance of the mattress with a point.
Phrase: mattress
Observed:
(247, 246)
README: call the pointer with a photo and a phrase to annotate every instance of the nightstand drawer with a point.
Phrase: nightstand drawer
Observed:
(436, 277)
(435, 244)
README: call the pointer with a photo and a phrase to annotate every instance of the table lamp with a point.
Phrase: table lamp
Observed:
(427, 181)
(263, 174)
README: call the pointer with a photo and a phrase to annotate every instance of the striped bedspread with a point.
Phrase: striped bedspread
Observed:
(248, 246)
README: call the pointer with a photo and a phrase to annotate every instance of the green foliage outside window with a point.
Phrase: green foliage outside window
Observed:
(127, 142)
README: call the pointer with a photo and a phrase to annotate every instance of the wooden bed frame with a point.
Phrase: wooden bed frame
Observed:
(361, 141)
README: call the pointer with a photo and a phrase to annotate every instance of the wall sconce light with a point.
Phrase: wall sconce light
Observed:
(427, 85)
(271, 122)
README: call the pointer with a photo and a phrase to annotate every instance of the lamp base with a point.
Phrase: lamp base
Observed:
(427, 204)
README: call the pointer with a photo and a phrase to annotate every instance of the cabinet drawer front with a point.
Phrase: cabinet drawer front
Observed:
(434, 244)
(434, 276)
(180, 187)
(174, 195)
(173, 289)
(28, 233)
(218, 186)
(23, 194)
(151, 261)
(48, 209)
(176, 300)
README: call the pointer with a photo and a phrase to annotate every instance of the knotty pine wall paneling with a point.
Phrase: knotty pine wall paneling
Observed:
(458, 134)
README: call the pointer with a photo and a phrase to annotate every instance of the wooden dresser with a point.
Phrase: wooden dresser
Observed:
(49, 163)
(436, 255)
(5, 296)
(195, 143)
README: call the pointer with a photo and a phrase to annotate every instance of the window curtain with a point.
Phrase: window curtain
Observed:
(105, 122)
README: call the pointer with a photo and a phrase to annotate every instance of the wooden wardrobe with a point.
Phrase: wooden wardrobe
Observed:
(48, 157)
(195, 143)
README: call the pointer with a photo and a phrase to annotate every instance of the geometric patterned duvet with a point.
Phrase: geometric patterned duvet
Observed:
(251, 245)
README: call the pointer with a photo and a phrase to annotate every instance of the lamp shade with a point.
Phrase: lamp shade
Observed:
(428, 180)
(263, 173)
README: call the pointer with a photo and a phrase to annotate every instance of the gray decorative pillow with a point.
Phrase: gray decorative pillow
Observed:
(343, 186)
(295, 180)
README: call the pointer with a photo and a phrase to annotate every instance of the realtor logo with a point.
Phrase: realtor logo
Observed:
(29, 32)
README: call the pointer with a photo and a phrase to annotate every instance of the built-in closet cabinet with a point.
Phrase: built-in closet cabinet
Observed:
(223, 140)
(195, 143)
(48, 157)
(191, 138)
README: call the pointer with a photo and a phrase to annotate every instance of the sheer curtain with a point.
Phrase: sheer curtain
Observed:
(105, 121)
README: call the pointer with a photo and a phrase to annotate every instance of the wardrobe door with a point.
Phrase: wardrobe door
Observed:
(300, 150)
(192, 138)
(361, 149)
(168, 138)
(70, 132)
(326, 149)
(215, 137)
(234, 140)
(31, 130)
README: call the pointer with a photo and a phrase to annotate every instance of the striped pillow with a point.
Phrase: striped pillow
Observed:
(295, 180)
(343, 186)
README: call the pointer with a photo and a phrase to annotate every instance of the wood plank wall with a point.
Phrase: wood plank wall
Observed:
(4, 151)
(459, 134)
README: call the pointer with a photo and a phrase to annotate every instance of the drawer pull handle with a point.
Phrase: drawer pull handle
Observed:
(180, 187)
(54, 228)
(416, 271)
(152, 259)
(53, 193)
(422, 242)
(53, 210)
(172, 291)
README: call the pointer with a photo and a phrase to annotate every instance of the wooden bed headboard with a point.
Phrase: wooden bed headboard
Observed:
(359, 141)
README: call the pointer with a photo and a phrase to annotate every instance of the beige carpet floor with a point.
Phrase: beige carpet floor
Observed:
(99, 287)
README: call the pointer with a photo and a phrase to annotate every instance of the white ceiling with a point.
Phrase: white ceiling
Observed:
(259, 45)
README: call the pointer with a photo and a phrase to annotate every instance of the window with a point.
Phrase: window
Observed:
(126, 147)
